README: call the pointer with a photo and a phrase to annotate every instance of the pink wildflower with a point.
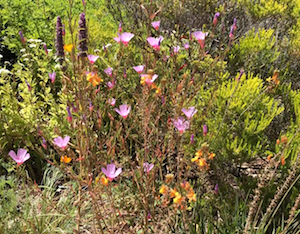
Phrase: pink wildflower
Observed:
(181, 124)
(123, 110)
(20, 157)
(108, 71)
(148, 167)
(92, 58)
(22, 37)
(155, 24)
(44, 144)
(176, 49)
(69, 117)
(112, 101)
(124, 38)
(148, 79)
(190, 112)
(155, 42)
(45, 48)
(186, 46)
(200, 36)
(62, 142)
(139, 69)
(110, 85)
(111, 172)
(204, 130)
(52, 77)
(215, 21)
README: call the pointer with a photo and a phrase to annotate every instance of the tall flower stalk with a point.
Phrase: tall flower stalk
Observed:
(82, 36)
(59, 44)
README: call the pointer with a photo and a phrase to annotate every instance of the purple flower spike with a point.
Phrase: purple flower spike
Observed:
(28, 85)
(204, 130)
(52, 76)
(62, 142)
(111, 172)
(20, 157)
(190, 112)
(216, 190)
(155, 24)
(139, 69)
(163, 101)
(215, 21)
(192, 139)
(69, 117)
(155, 42)
(22, 37)
(82, 36)
(108, 71)
(45, 48)
(181, 124)
(74, 108)
(83, 2)
(148, 167)
(59, 44)
(123, 110)
(92, 58)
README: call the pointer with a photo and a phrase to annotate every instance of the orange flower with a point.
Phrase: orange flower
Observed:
(164, 189)
(68, 47)
(269, 157)
(202, 163)
(277, 142)
(191, 196)
(211, 156)
(93, 78)
(185, 185)
(199, 153)
(282, 161)
(178, 198)
(284, 139)
(169, 178)
(65, 159)
(173, 193)
(104, 181)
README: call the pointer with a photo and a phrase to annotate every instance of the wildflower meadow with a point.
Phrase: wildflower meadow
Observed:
(149, 116)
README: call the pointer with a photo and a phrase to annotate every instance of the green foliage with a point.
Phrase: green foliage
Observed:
(255, 52)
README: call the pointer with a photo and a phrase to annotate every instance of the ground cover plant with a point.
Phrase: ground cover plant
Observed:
(143, 117)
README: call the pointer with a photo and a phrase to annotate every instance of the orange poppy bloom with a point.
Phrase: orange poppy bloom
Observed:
(65, 159)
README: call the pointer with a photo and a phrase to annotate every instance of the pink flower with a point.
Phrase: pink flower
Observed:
(155, 42)
(215, 21)
(92, 58)
(148, 79)
(148, 167)
(62, 142)
(190, 112)
(110, 85)
(45, 48)
(124, 38)
(200, 36)
(139, 69)
(165, 58)
(52, 76)
(155, 24)
(181, 124)
(111, 172)
(112, 101)
(204, 130)
(20, 157)
(186, 46)
(108, 71)
(44, 144)
(123, 110)
(176, 49)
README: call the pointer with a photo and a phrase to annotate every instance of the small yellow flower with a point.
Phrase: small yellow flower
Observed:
(169, 178)
(65, 159)
(68, 47)
(211, 156)
(178, 198)
(199, 153)
(104, 181)
(164, 189)
(202, 163)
